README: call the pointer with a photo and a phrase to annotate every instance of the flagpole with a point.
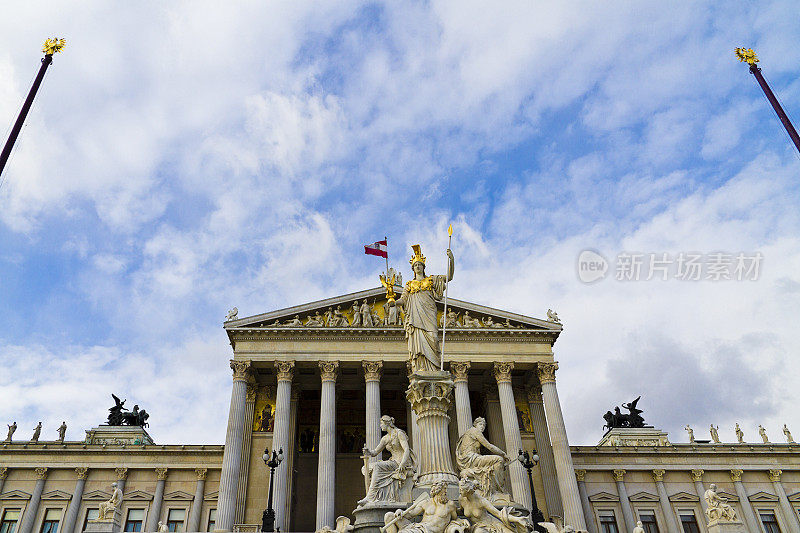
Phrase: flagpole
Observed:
(385, 238)
(446, 284)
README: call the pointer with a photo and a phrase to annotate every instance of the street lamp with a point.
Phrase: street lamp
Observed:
(268, 517)
(528, 463)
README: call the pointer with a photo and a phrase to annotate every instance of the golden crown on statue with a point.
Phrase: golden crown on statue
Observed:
(417, 257)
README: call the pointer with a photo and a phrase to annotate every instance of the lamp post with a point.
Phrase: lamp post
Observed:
(268, 517)
(528, 463)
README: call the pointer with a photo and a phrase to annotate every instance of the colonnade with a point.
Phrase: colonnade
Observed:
(561, 489)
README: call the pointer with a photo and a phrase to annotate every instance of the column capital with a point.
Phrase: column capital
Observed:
(201, 473)
(122, 472)
(580, 474)
(460, 370)
(547, 372)
(328, 369)
(697, 474)
(285, 370)
(241, 370)
(658, 474)
(82, 471)
(161, 473)
(252, 393)
(41, 472)
(3, 472)
(775, 474)
(372, 370)
(619, 475)
(736, 474)
(502, 371)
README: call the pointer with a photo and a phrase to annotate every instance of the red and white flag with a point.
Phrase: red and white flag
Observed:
(378, 248)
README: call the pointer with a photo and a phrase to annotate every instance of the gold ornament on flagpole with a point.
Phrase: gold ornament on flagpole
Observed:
(53, 46)
(746, 55)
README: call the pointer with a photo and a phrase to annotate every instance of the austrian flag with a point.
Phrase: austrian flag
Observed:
(378, 248)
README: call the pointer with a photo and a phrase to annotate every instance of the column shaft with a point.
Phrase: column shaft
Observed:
(567, 484)
(155, 509)
(29, 517)
(697, 477)
(326, 471)
(749, 516)
(290, 456)
(587, 505)
(520, 487)
(547, 463)
(280, 440)
(463, 407)
(372, 377)
(247, 439)
(232, 457)
(786, 507)
(624, 501)
(663, 499)
(197, 503)
(75, 503)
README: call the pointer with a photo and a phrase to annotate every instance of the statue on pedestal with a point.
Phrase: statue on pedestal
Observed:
(387, 478)
(162, 527)
(438, 515)
(37, 431)
(718, 507)
(788, 434)
(11, 429)
(715, 434)
(763, 433)
(639, 527)
(690, 431)
(62, 431)
(108, 508)
(419, 303)
(485, 517)
(488, 471)
(739, 434)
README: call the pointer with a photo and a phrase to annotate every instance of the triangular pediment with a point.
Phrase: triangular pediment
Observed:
(794, 497)
(603, 497)
(97, 495)
(56, 495)
(138, 495)
(212, 496)
(727, 496)
(684, 497)
(15, 495)
(178, 495)
(762, 496)
(644, 497)
(337, 314)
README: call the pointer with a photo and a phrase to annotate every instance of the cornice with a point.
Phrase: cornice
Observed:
(385, 334)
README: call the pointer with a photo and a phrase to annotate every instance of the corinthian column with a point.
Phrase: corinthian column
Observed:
(232, 457)
(587, 505)
(244, 472)
(788, 513)
(666, 508)
(287, 516)
(519, 485)
(155, 509)
(749, 516)
(33, 504)
(372, 378)
(463, 407)
(197, 502)
(3, 476)
(75, 503)
(547, 463)
(624, 501)
(567, 484)
(280, 439)
(326, 471)
(697, 478)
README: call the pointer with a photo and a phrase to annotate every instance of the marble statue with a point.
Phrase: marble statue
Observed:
(714, 434)
(639, 528)
(739, 433)
(327, 316)
(390, 317)
(717, 507)
(295, 322)
(489, 323)
(338, 320)
(452, 319)
(108, 508)
(690, 431)
(419, 303)
(356, 315)
(386, 478)
(438, 515)
(342, 526)
(556, 526)
(37, 431)
(62, 431)
(469, 322)
(11, 429)
(162, 527)
(788, 434)
(233, 314)
(376, 317)
(763, 433)
(552, 316)
(315, 321)
(485, 517)
(398, 277)
(366, 315)
(487, 470)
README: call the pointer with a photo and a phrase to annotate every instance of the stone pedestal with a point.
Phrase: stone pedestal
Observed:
(429, 395)
(369, 518)
(635, 437)
(105, 526)
(723, 526)
(128, 435)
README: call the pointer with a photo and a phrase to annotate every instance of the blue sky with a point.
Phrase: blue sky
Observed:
(181, 159)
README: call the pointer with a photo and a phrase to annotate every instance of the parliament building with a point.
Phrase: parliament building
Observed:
(314, 380)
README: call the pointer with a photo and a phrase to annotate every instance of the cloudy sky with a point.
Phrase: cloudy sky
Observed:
(186, 157)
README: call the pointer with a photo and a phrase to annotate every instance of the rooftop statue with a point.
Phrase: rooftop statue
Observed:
(617, 419)
(119, 416)
(419, 303)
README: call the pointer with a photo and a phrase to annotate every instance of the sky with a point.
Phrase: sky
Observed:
(183, 158)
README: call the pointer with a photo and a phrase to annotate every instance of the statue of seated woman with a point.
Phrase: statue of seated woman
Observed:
(485, 517)
(387, 479)
(488, 471)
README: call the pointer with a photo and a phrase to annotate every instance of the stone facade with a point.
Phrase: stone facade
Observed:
(305, 380)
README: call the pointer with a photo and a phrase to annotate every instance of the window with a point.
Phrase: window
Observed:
(689, 522)
(51, 519)
(608, 522)
(212, 520)
(649, 523)
(769, 521)
(175, 519)
(9, 522)
(91, 514)
(134, 520)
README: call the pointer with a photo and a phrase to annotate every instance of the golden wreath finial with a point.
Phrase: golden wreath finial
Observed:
(417, 257)
(53, 46)
(746, 55)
